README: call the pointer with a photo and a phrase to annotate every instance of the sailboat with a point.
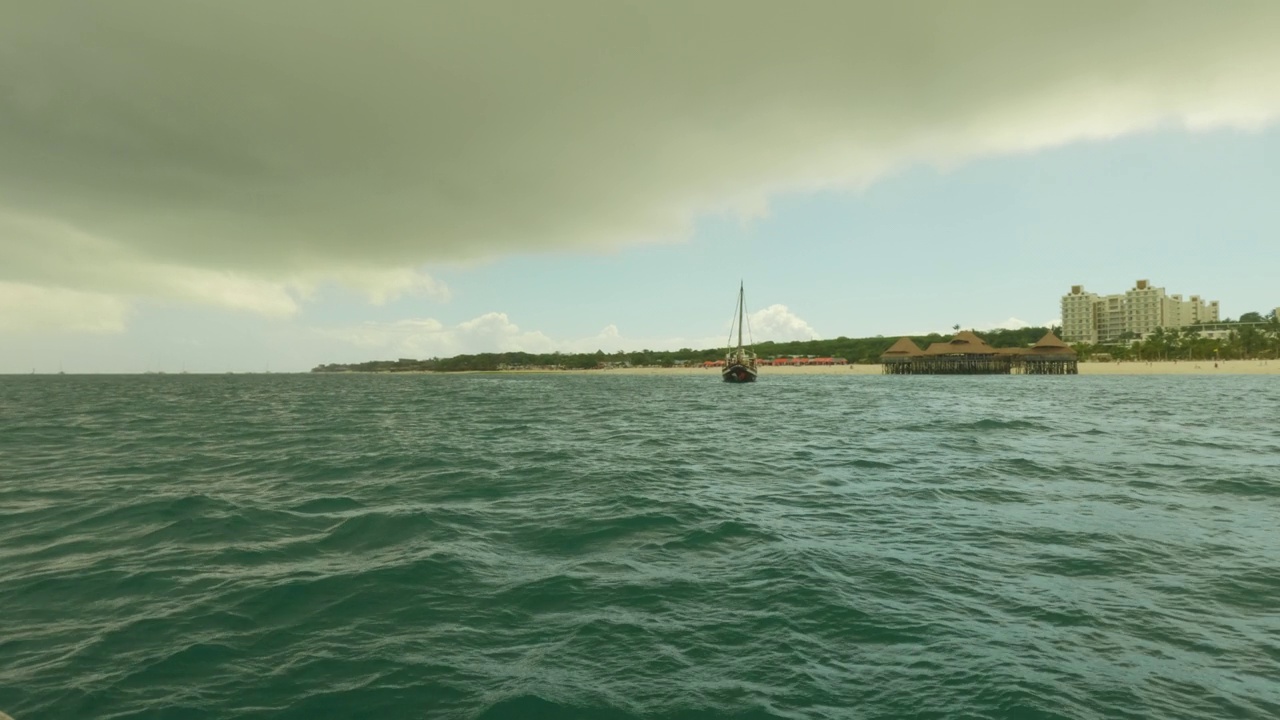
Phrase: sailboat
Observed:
(739, 362)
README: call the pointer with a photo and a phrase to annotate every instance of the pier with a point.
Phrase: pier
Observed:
(968, 354)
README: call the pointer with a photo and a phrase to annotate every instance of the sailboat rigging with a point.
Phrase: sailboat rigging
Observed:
(739, 362)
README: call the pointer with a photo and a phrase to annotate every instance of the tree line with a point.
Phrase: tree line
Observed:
(1253, 337)
(855, 350)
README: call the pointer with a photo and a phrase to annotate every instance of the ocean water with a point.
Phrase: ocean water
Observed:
(619, 547)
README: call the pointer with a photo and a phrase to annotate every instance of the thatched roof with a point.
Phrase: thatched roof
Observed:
(1051, 344)
(964, 343)
(969, 343)
(1051, 340)
(903, 348)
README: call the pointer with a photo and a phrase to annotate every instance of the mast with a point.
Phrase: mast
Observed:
(740, 311)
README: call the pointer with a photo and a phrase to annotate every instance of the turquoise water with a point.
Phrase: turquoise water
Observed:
(621, 547)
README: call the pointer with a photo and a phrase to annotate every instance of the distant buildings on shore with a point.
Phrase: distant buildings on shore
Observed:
(1092, 318)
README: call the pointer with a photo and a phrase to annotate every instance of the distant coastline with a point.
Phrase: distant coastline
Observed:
(1162, 367)
(860, 351)
(863, 356)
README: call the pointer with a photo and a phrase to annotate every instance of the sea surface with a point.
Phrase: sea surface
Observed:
(619, 547)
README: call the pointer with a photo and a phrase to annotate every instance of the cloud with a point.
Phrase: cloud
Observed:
(611, 339)
(491, 333)
(53, 253)
(240, 155)
(779, 324)
(26, 308)
(381, 285)
(427, 337)
(1014, 323)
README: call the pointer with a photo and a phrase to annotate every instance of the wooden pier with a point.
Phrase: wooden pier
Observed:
(968, 354)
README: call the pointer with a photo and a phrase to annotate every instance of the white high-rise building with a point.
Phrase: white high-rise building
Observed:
(1079, 316)
(1088, 317)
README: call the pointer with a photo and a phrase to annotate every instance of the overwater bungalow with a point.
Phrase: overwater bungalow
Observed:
(968, 354)
(1049, 356)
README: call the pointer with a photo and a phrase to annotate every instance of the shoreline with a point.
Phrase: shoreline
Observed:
(1164, 367)
(1183, 367)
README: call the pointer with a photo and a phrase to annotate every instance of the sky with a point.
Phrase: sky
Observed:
(235, 186)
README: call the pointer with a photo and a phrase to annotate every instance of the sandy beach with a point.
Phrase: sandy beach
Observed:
(1184, 367)
(1224, 367)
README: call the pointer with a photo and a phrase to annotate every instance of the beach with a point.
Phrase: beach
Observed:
(1181, 367)
(1184, 367)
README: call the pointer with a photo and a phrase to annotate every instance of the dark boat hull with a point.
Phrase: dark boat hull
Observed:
(738, 374)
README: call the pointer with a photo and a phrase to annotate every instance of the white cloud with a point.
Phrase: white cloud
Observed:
(240, 156)
(53, 252)
(495, 332)
(779, 324)
(382, 285)
(1014, 323)
(611, 339)
(228, 290)
(26, 308)
(428, 337)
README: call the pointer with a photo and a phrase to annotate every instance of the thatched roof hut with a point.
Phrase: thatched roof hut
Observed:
(903, 348)
(964, 343)
(1051, 345)
(968, 354)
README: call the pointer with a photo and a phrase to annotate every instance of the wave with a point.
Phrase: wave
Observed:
(807, 549)
(533, 707)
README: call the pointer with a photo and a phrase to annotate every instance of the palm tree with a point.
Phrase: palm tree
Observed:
(1233, 347)
(1192, 341)
(1250, 339)
(1157, 344)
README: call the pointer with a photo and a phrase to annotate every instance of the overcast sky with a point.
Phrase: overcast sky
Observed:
(244, 185)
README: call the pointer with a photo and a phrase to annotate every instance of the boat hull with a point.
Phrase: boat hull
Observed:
(738, 374)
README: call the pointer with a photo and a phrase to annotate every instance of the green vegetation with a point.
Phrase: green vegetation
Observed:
(855, 350)
(1251, 337)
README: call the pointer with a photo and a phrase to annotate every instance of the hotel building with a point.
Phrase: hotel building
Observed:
(1092, 318)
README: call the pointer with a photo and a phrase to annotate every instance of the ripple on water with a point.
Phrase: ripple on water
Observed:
(639, 547)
